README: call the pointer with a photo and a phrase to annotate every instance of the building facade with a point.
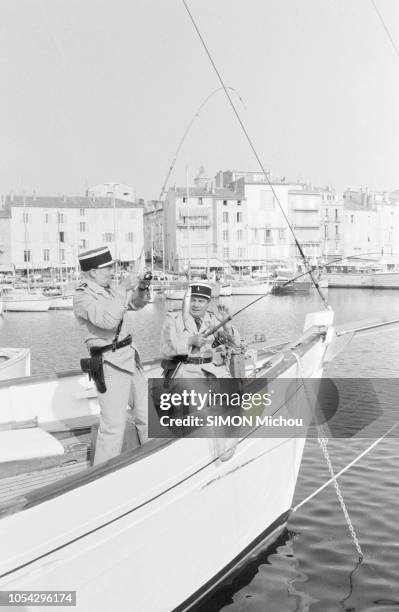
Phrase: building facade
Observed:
(47, 232)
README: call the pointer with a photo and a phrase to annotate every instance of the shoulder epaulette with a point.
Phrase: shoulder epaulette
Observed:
(81, 287)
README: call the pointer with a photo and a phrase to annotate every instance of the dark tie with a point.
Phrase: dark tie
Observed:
(198, 323)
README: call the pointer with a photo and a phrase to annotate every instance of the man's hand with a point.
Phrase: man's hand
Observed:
(129, 283)
(196, 340)
(222, 314)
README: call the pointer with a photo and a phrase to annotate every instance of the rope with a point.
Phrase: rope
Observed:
(323, 441)
(315, 283)
(345, 469)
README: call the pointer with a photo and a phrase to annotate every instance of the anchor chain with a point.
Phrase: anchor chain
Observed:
(323, 441)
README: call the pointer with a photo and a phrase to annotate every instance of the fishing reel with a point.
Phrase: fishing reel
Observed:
(145, 281)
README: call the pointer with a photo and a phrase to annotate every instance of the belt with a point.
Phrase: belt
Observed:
(98, 350)
(198, 360)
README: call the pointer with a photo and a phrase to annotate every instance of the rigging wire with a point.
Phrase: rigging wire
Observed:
(384, 25)
(297, 244)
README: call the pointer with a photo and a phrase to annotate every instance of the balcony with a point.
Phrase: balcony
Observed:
(194, 222)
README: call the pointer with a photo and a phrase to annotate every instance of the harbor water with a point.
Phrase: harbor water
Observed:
(314, 565)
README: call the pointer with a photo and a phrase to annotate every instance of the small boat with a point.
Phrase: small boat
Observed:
(98, 529)
(61, 302)
(282, 286)
(22, 300)
(14, 363)
(179, 293)
(249, 288)
(225, 289)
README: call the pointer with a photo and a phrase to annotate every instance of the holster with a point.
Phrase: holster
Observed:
(93, 366)
(169, 369)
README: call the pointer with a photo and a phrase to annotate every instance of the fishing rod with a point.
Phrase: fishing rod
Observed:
(287, 282)
(183, 138)
(297, 244)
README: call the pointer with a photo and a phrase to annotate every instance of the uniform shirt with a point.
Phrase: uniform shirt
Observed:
(99, 312)
(175, 334)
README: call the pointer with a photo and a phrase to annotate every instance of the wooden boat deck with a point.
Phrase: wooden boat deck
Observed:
(19, 477)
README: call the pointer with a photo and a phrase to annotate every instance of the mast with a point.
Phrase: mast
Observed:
(152, 250)
(115, 242)
(26, 253)
(188, 227)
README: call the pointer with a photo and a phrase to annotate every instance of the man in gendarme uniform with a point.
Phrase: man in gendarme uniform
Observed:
(99, 309)
(185, 350)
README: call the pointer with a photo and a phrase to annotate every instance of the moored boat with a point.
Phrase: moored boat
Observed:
(21, 300)
(14, 363)
(282, 286)
(251, 288)
(225, 289)
(95, 529)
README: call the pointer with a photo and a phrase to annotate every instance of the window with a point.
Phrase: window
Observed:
(336, 214)
(225, 234)
(326, 213)
(26, 255)
(200, 201)
(130, 237)
(25, 217)
(226, 253)
(224, 202)
(82, 212)
(108, 237)
(47, 218)
(281, 234)
(241, 253)
(62, 236)
(238, 202)
(337, 231)
(62, 254)
(60, 217)
(225, 217)
(352, 218)
(82, 226)
(184, 200)
(239, 234)
(268, 235)
(326, 232)
(83, 243)
(239, 217)
(46, 255)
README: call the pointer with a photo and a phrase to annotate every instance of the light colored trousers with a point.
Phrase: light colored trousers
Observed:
(123, 389)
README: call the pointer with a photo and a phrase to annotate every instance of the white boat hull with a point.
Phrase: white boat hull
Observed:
(166, 522)
(62, 302)
(14, 363)
(225, 290)
(28, 303)
(255, 289)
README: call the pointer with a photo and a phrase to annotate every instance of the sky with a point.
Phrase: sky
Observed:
(99, 90)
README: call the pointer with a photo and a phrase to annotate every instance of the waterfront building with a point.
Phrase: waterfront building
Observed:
(153, 224)
(39, 233)
(371, 224)
(332, 224)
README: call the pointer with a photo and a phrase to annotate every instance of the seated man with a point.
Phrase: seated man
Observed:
(186, 348)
